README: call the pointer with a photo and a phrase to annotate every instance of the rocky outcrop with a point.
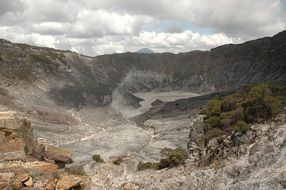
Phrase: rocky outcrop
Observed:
(26, 171)
(17, 142)
(56, 154)
(39, 175)
(235, 145)
(196, 143)
(72, 182)
(217, 149)
(15, 136)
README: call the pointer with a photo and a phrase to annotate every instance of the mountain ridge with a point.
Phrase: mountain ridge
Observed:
(82, 103)
(145, 50)
(224, 45)
(91, 80)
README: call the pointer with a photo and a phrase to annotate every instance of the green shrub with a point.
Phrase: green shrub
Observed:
(261, 103)
(236, 111)
(213, 133)
(118, 161)
(231, 102)
(273, 104)
(241, 126)
(77, 170)
(174, 157)
(280, 92)
(147, 165)
(211, 122)
(171, 158)
(213, 108)
(233, 115)
(97, 158)
(39, 58)
(225, 123)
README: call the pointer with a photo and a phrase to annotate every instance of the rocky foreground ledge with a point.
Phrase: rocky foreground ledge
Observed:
(27, 164)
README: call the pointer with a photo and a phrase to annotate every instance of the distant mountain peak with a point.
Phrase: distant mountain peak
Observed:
(145, 50)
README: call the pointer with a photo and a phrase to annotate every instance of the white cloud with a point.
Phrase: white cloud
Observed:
(234, 17)
(96, 27)
(101, 23)
(157, 41)
(179, 42)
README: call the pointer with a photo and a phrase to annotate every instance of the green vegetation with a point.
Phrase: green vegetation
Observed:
(171, 158)
(236, 111)
(77, 170)
(97, 158)
(118, 161)
(174, 157)
(26, 71)
(148, 165)
(241, 126)
(40, 58)
(46, 57)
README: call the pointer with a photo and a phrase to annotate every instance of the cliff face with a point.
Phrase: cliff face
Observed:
(78, 80)
(27, 164)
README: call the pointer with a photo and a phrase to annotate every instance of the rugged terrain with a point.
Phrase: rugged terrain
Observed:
(28, 164)
(261, 165)
(133, 105)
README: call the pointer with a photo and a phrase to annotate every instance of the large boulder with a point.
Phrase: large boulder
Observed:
(59, 155)
(67, 182)
(215, 149)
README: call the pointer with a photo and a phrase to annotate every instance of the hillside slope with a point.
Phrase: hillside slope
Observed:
(79, 80)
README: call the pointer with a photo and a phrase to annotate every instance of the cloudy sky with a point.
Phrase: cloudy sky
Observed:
(95, 27)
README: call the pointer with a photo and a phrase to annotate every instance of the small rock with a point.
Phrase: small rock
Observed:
(16, 184)
(213, 144)
(49, 185)
(29, 182)
(130, 186)
(68, 182)
(23, 177)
